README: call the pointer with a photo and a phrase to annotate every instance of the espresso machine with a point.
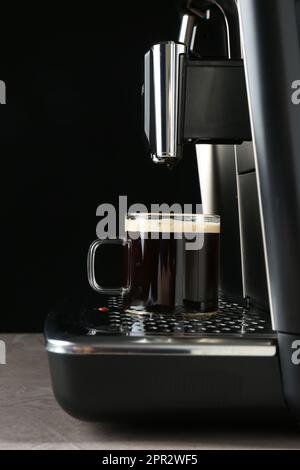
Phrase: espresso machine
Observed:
(225, 86)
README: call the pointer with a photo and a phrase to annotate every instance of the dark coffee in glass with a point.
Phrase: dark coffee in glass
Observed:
(171, 263)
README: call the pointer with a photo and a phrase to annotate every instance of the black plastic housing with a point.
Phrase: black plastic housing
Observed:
(216, 106)
(114, 388)
(272, 62)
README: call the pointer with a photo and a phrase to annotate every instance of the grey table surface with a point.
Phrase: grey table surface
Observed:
(30, 418)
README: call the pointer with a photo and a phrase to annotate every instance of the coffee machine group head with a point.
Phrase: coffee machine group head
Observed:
(189, 97)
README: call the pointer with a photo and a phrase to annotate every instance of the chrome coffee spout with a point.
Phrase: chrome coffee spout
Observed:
(162, 95)
(162, 88)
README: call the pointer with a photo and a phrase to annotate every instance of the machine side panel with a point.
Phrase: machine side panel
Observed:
(272, 60)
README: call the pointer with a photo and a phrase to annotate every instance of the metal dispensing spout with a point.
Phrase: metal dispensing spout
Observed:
(163, 86)
(162, 89)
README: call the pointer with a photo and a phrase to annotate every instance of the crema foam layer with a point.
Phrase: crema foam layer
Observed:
(171, 226)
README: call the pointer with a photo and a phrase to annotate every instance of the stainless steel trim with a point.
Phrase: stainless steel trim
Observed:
(207, 169)
(164, 346)
(274, 326)
(218, 5)
(187, 30)
(240, 221)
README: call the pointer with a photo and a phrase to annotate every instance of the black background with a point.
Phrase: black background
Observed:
(72, 138)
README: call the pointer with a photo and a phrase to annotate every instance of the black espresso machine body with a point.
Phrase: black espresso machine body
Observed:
(234, 100)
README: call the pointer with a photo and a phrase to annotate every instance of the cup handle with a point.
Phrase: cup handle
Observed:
(91, 267)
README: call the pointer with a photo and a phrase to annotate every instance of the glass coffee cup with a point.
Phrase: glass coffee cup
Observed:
(171, 263)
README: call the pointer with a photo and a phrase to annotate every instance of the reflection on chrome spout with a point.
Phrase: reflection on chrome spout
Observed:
(161, 98)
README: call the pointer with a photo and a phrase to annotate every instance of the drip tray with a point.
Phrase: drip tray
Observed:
(103, 327)
(231, 319)
(107, 364)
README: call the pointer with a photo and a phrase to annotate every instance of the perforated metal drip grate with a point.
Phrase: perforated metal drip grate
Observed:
(231, 319)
